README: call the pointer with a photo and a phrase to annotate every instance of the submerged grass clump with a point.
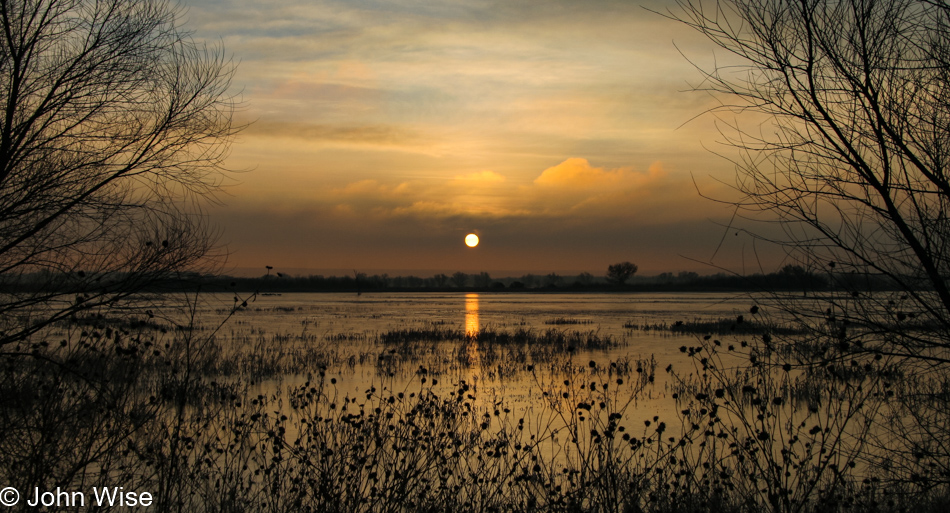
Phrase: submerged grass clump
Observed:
(722, 326)
(558, 321)
(560, 339)
(495, 354)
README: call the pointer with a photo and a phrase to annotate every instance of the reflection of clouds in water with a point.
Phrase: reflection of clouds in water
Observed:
(471, 314)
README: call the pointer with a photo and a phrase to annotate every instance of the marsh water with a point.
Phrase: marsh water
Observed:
(295, 335)
(476, 385)
(368, 314)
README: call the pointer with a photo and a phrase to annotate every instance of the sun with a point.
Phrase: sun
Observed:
(471, 240)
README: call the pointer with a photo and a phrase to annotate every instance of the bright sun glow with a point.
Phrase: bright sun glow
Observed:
(471, 240)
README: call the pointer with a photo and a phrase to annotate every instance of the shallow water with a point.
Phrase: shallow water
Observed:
(348, 325)
(329, 315)
(372, 313)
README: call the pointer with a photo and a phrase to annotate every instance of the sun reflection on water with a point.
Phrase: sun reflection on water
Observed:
(471, 346)
(471, 314)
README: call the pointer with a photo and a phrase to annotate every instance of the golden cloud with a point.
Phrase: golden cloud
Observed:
(573, 188)
(578, 173)
(377, 135)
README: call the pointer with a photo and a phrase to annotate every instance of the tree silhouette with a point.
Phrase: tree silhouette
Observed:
(857, 168)
(853, 165)
(585, 278)
(113, 128)
(620, 273)
(459, 279)
(482, 280)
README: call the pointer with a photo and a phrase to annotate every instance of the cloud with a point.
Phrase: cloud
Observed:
(429, 234)
(368, 197)
(407, 120)
(376, 135)
(578, 173)
(573, 189)
(576, 188)
(371, 189)
(456, 71)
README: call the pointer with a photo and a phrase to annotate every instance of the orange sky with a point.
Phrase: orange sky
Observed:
(383, 132)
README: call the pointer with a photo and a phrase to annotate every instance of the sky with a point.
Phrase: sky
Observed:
(567, 134)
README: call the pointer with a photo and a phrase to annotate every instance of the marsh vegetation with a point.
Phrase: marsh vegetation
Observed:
(329, 403)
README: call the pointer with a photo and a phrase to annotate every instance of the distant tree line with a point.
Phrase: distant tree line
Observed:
(789, 278)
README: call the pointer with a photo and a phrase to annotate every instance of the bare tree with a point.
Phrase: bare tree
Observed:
(852, 164)
(459, 279)
(113, 128)
(441, 279)
(585, 278)
(482, 280)
(620, 273)
(529, 280)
